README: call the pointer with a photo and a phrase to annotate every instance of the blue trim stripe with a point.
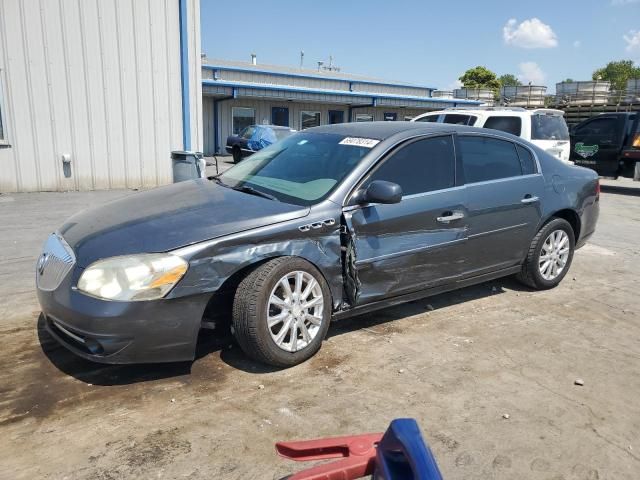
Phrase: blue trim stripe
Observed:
(344, 93)
(315, 77)
(184, 77)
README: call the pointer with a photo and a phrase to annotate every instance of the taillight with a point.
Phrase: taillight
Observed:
(598, 188)
(636, 141)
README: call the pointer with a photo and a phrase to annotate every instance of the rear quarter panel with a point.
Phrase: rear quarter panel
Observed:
(569, 187)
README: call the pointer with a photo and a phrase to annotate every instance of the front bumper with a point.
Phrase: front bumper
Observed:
(164, 330)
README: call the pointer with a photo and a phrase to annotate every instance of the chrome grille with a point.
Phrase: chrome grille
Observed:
(55, 262)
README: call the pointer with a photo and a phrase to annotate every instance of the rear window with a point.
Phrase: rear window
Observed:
(428, 118)
(512, 125)
(282, 133)
(548, 127)
(248, 132)
(457, 119)
(527, 161)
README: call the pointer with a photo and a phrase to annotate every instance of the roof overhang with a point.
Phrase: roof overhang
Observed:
(225, 88)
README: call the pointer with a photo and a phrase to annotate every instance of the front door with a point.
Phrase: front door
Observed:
(596, 143)
(280, 116)
(417, 243)
(503, 191)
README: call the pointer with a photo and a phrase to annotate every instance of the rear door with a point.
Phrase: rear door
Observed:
(596, 144)
(503, 191)
(417, 243)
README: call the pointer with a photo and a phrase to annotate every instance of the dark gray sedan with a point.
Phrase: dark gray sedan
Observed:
(328, 223)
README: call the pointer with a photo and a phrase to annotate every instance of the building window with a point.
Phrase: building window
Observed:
(309, 119)
(390, 116)
(364, 117)
(242, 118)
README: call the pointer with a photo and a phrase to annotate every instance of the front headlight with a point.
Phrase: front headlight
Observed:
(133, 277)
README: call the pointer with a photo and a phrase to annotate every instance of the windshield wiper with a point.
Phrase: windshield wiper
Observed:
(253, 191)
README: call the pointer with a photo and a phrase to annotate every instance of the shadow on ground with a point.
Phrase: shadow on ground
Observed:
(210, 342)
(620, 190)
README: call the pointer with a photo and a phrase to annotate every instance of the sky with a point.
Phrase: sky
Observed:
(425, 42)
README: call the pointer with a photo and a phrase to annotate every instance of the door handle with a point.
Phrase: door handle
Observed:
(450, 217)
(529, 199)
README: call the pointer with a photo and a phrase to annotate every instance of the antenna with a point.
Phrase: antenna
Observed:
(301, 59)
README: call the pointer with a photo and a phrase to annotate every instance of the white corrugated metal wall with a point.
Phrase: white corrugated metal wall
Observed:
(263, 115)
(98, 80)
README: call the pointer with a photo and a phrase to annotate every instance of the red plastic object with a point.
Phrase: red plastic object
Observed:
(358, 453)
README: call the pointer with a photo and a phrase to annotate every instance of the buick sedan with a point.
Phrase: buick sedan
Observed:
(327, 223)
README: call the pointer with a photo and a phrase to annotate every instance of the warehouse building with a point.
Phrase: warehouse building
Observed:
(238, 94)
(96, 94)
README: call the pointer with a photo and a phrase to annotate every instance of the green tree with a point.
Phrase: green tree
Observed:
(617, 73)
(568, 80)
(509, 80)
(480, 77)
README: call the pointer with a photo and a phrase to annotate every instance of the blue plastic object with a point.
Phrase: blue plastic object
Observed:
(403, 454)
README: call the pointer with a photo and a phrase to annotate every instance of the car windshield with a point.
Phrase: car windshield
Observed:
(548, 127)
(302, 169)
(282, 133)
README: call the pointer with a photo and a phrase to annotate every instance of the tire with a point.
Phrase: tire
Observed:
(237, 155)
(531, 274)
(253, 306)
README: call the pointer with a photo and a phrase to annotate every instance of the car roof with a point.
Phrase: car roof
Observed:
(493, 111)
(384, 130)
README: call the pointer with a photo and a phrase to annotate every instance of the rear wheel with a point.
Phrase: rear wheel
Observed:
(550, 255)
(237, 155)
(281, 312)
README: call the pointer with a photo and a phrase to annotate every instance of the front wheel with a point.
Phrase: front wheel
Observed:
(550, 255)
(281, 312)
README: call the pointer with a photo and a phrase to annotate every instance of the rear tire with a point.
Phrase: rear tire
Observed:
(274, 327)
(237, 155)
(550, 255)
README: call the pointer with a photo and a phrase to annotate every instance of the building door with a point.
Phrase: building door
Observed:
(280, 116)
(336, 116)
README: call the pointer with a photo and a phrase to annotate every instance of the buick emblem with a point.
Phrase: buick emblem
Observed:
(42, 262)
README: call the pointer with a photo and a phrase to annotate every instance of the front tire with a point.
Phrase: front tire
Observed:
(282, 311)
(550, 255)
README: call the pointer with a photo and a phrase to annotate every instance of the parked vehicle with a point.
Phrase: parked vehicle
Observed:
(608, 143)
(254, 138)
(544, 127)
(327, 223)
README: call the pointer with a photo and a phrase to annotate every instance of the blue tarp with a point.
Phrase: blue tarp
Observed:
(262, 137)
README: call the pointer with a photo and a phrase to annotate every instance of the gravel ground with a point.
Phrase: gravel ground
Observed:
(459, 363)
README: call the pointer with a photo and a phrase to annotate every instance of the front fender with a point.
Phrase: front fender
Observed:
(212, 263)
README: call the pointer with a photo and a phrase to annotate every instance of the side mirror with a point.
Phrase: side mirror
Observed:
(379, 191)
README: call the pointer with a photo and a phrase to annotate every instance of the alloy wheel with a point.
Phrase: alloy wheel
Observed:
(554, 254)
(295, 311)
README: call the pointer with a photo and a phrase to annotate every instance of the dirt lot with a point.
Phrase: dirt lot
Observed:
(455, 362)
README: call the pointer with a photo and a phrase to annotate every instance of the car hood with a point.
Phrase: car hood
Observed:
(170, 217)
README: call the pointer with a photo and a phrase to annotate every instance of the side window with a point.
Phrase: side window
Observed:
(512, 125)
(485, 158)
(421, 166)
(527, 161)
(602, 127)
(457, 119)
(428, 118)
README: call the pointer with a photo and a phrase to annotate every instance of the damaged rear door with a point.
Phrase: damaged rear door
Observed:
(417, 243)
